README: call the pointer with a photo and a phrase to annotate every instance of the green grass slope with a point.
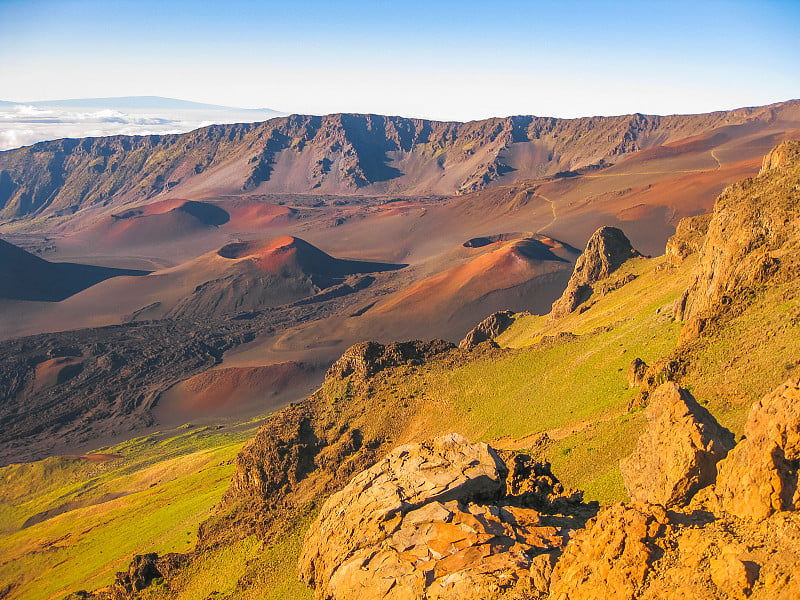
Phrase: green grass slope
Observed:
(150, 499)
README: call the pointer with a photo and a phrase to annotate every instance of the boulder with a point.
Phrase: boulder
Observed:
(760, 475)
(431, 520)
(636, 372)
(606, 251)
(611, 558)
(488, 329)
(678, 452)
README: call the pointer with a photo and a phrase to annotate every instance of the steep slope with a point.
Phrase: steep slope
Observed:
(344, 153)
(556, 390)
(748, 243)
(24, 276)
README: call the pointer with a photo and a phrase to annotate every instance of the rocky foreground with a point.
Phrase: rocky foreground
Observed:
(450, 519)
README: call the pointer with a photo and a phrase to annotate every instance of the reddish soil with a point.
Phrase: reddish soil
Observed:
(237, 391)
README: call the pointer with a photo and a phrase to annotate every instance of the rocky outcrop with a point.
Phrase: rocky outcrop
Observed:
(488, 329)
(636, 372)
(677, 454)
(753, 238)
(760, 476)
(705, 551)
(273, 462)
(433, 520)
(612, 557)
(146, 567)
(367, 358)
(780, 156)
(642, 552)
(688, 238)
(143, 570)
(606, 251)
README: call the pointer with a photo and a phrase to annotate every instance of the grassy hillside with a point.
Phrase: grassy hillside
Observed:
(71, 523)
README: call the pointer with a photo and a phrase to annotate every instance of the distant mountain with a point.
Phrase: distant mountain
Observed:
(138, 103)
(354, 154)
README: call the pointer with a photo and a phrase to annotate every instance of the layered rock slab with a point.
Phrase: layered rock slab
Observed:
(678, 453)
(428, 521)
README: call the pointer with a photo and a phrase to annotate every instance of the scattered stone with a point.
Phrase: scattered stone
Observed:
(760, 475)
(677, 454)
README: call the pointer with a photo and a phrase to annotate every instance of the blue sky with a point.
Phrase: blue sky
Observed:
(447, 60)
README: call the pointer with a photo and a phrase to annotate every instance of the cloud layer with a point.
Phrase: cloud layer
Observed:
(23, 124)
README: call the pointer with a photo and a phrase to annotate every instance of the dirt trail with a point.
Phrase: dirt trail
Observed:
(553, 208)
(714, 156)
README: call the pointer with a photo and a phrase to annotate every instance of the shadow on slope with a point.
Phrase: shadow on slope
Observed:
(272, 272)
(28, 277)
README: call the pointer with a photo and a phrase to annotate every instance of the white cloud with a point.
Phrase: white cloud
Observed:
(22, 125)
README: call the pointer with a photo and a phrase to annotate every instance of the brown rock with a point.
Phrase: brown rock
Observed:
(488, 329)
(412, 527)
(533, 483)
(636, 372)
(688, 239)
(678, 453)
(779, 156)
(146, 567)
(605, 252)
(610, 559)
(733, 576)
(276, 459)
(367, 358)
(753, 238)
(760, 475)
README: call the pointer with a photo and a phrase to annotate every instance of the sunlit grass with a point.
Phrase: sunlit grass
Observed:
(166, 486)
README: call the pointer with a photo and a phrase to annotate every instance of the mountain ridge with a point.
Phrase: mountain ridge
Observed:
(347, 154)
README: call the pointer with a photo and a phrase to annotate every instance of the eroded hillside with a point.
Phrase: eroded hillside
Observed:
(348, 153)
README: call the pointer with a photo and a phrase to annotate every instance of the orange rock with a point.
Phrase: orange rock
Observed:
(678, 453)
(760, 475)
